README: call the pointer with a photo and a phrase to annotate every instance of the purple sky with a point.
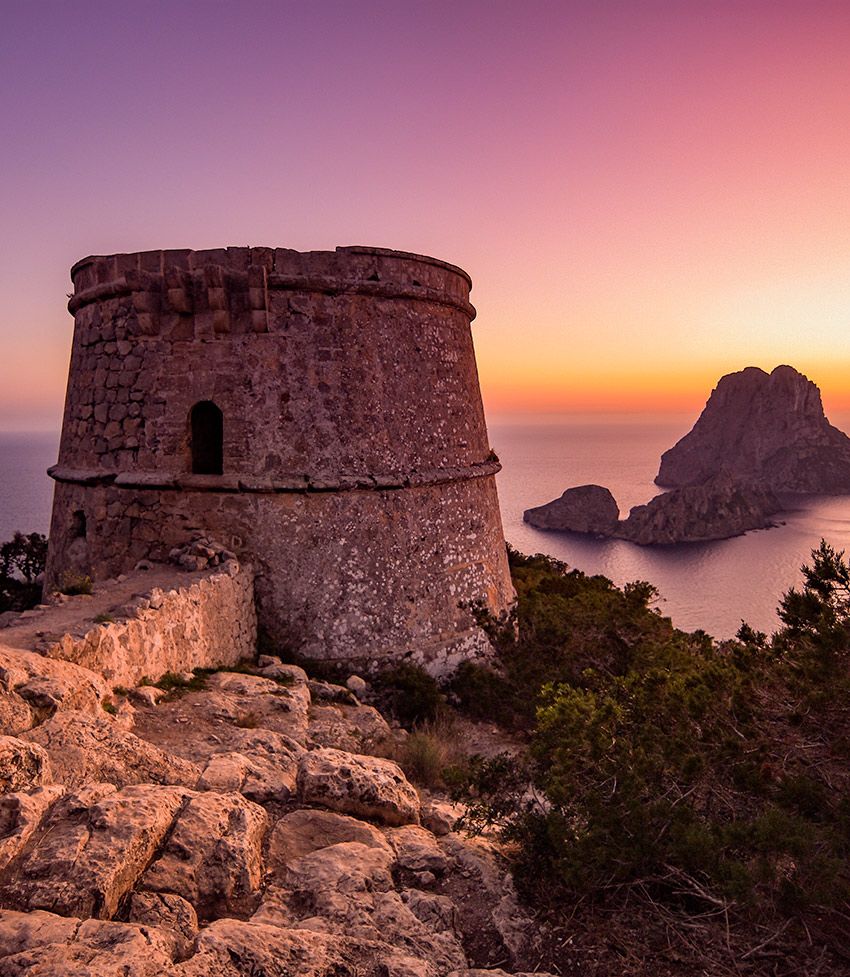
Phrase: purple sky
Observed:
(646, 194)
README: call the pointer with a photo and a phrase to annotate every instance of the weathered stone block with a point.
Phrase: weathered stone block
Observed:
(364, 786)
(213, 857)
(23, 765)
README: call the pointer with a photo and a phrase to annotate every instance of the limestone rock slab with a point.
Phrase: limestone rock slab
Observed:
(40, 944)
(348, 889)
(91, 849)
(304, 831)
(213, 857)
(15, 714)
(369, 787)
(440, 816)
(170, 913)
(260, 778)
(47, 685)
(20, 815)
(278, 703)
(417, 850)
(233, 948)
(355, 729)
(84, 748)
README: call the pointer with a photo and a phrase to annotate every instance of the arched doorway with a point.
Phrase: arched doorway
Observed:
(207, 438)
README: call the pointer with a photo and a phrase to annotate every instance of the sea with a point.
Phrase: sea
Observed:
(707, 586)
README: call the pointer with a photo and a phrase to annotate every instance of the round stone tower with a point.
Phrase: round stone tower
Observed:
(319, 413)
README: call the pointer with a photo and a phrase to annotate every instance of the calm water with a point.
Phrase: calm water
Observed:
(26, 493)
(703, 585)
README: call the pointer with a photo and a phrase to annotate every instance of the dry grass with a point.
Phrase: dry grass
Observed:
(432, 754)
(75, 584)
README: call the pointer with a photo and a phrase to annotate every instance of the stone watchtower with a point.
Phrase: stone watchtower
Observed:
(319, 413)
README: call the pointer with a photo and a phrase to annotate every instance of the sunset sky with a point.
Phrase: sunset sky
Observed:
(647, 195)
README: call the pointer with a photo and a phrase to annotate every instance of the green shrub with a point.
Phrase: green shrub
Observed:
(409, 694)
(104, 619)
(695, 773)
(172, 682)
(484, 694)
(565, 623)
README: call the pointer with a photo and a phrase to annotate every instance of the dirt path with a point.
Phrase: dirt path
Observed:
(76, 615)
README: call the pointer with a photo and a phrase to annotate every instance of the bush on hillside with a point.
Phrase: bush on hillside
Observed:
(707, 778)
(564, 623)
(22, 560)
(409, 694)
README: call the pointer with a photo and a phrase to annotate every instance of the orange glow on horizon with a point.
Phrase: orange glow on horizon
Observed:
(685, 390)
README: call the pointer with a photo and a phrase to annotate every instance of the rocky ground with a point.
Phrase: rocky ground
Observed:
(246, 827)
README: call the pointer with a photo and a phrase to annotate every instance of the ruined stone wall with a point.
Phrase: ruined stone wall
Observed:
(338, 575)
(357, 472)
(208, 623)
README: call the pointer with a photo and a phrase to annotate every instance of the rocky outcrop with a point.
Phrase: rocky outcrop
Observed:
(41, 944)
(723, 506)
(85, 749)
(261, 778)
(358, 729)
(20, 814)
(717, 509)
(213, 857)
(221, 838)
(760, 436)
(584, 509)
(350, 888)
(233, 948)
(304, 831)
(417, 850)
(44, 686)
(766, 429)
(15, 714)
(279, 702)
(171, 913)
(91, 850)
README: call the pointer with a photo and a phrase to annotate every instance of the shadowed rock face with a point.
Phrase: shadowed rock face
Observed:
(584, 509)
(719, 508)
(768, 429)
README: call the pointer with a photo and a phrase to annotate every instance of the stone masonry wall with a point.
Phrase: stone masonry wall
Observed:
(209, 623)
(357, 474)
(339, 576)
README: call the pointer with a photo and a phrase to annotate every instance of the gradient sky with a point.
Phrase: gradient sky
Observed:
(647, 195)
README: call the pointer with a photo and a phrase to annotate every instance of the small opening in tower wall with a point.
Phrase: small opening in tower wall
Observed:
(207, 438)
(78, 525)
